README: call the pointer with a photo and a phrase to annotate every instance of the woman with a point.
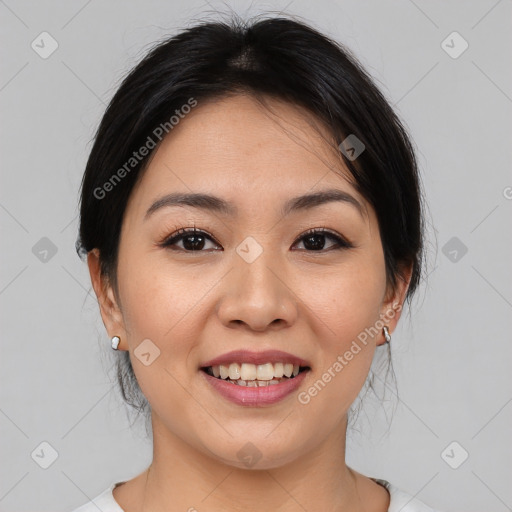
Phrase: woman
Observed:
(252, 219)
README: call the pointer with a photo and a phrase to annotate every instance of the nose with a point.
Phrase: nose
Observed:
(256, 296)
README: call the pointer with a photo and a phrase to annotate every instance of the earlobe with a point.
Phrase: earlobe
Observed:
(110, 312)
(393, 304)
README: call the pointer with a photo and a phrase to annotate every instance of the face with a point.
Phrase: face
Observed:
(264, 279)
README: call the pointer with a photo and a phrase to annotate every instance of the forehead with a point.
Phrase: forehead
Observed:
(238, 146)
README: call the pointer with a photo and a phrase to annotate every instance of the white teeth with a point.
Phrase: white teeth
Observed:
(278, 370)
(265, 371)
(246, 373)
(252, 384)
(224, 371)
(234, 371)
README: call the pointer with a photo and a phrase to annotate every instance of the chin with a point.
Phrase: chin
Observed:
(257, 452)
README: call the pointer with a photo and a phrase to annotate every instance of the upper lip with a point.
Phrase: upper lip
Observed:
(248, 356)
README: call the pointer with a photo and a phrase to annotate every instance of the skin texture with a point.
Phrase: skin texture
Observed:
(196, 306)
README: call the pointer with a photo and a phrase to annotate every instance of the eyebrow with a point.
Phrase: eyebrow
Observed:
(221, 206)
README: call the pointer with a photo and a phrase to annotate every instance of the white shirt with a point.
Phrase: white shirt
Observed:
(400, 501)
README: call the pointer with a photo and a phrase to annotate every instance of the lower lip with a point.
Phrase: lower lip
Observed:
(255, 396)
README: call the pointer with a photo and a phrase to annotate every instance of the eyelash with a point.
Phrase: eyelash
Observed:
(182, 233)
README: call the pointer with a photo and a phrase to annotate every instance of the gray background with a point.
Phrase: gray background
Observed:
(452, 356)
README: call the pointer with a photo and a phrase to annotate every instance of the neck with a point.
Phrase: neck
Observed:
(182, 478)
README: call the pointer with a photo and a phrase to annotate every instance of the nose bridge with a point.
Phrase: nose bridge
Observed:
(257, 294)
(259, 277)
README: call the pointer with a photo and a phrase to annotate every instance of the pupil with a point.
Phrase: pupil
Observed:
(194, 246)
(317, 241)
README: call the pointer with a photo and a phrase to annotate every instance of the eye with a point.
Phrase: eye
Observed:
(194, 240)
(315, 239)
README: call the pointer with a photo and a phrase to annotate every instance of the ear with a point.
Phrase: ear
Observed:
(109, 309)
(392, 305)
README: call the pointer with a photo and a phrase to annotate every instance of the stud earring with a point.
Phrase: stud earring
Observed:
(115, 342)
(387, 336)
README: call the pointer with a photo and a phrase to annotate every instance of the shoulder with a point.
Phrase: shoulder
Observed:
(104, 502)
(402, 501)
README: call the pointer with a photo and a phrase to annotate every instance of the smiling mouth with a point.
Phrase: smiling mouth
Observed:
(255, 375)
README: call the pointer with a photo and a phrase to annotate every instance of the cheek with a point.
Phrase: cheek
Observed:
(348, 299)
(165, 306)
(346, 307)
(156, 301)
